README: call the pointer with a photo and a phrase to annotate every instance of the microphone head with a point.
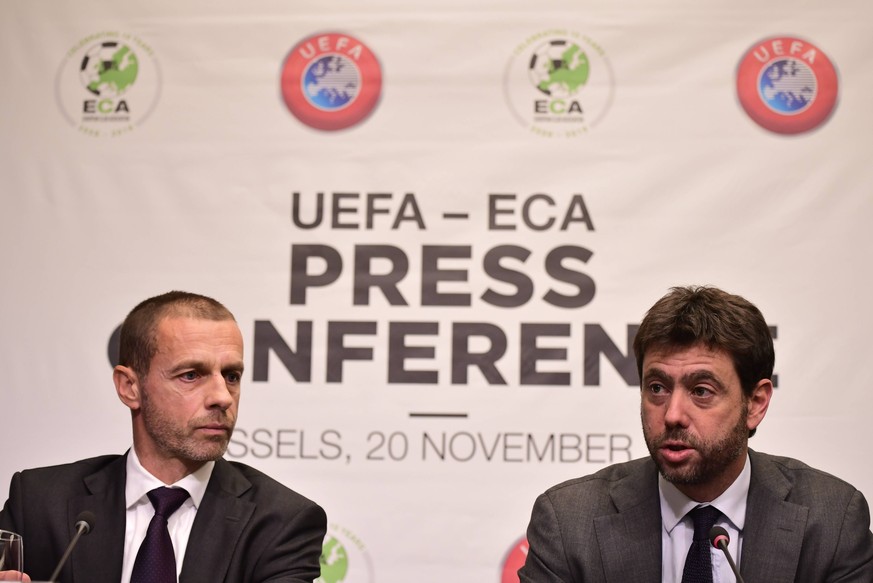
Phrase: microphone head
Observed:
(85, 521)
(718, 536)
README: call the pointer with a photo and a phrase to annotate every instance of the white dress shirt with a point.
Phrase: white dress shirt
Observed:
(678, 529)
(140, 510)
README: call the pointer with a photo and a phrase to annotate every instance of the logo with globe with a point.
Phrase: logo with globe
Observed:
(331, 81)
(334, 561)
(121, 81)
(344, 558)
(558, 68)
(559, 83)
(787, 85)
(108, 69)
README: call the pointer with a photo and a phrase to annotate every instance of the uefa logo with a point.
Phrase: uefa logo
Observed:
(331, 81)
(108, 84)
(559, 83)
(344, 558)
(787, 85)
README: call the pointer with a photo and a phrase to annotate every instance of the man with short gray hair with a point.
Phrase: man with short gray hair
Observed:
(171, 508)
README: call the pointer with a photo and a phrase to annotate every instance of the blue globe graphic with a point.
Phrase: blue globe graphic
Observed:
(331, 82)
(788, 86)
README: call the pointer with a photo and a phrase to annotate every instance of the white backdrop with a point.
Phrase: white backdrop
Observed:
(185, 177)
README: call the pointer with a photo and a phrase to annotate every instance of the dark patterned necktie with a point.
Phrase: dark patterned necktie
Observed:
(156, 561)
(698, 563)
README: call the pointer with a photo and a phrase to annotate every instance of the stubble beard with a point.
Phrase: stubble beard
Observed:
(715, 455)
(181, 442)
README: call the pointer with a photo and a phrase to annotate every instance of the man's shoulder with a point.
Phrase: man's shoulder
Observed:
(56, 482)
(635, 474)
(71, 470)
(264, 487)
(801, 477)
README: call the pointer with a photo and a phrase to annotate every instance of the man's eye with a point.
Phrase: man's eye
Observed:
(233, 377)
(700, 391)
(656, 389)
(189, 376)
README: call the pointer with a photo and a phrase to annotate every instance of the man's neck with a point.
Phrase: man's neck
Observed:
(168, 470)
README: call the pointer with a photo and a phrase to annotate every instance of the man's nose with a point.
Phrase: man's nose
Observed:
(219, 394)
(676, 414)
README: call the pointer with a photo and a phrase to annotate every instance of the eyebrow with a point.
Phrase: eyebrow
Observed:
(186, 364)
(235, 367)
(690, 379)
(656, 374)
(200, 366)
(695, 377)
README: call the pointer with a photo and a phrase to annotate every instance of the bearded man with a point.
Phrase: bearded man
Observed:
(705, 359)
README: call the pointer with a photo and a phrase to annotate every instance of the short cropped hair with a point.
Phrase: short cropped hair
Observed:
(707, 315)
(138, 336)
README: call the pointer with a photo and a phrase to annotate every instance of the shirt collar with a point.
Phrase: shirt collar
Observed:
(140, 482)
(732, 502)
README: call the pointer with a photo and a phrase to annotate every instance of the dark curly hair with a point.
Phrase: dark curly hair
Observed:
(701, 314)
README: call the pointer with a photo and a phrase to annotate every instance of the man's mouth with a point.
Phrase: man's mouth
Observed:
(215, 429)
(676, 451)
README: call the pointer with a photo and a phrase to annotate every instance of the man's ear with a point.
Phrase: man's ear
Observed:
(127, 386)
(758, 402)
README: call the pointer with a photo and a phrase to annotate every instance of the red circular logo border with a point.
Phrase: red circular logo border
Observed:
(364, 103)
(819, 111)
(513, 561)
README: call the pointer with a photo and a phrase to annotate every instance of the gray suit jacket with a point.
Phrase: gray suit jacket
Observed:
(248, 528)
(802, 525)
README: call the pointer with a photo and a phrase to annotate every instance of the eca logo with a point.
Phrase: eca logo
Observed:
(787, 85)
(558, 83)
(331, 81)
(108, 84)
(344, 558)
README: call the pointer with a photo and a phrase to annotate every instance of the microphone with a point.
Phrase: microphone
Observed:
(84, 524)
(719, 538)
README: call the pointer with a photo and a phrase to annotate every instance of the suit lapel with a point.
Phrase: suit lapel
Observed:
(630, 541)
(773, 533)
(98, 555)
(217, 528)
